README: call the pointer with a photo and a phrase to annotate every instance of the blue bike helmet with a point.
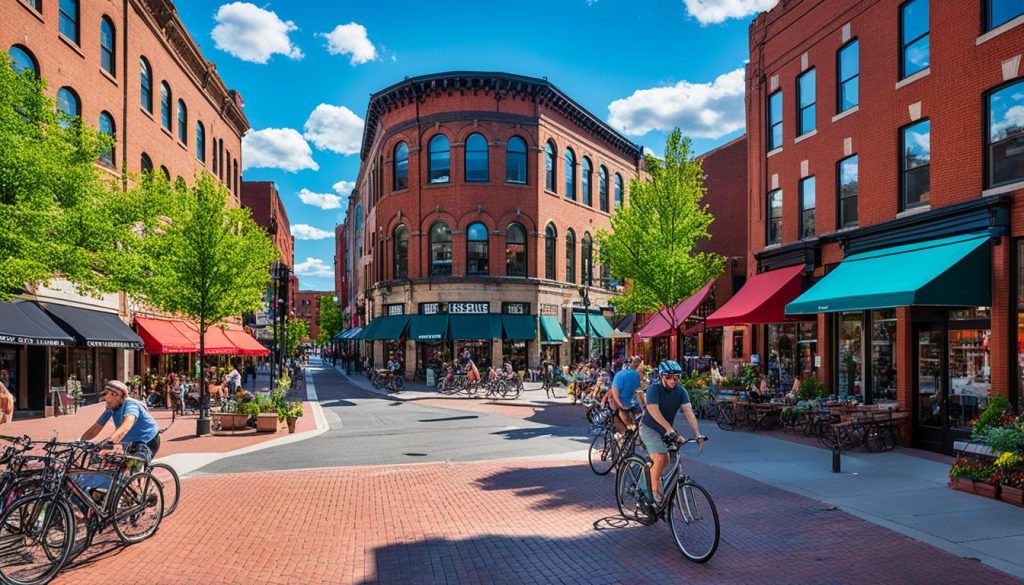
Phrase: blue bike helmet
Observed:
(669, 368)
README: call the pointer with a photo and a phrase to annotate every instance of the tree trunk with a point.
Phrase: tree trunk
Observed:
(203, 423)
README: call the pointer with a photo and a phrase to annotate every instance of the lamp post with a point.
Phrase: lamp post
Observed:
(585, 295)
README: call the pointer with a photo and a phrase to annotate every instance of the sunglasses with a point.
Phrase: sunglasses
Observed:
(672, 377)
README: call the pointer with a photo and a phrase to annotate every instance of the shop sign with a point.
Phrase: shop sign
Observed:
(755, 359)
(472, 308)
(549, 310)
(117, 344)
(19, 340)
(393, 310)
(515, 308)
(817, 361)
(262, 319)
(431, 308)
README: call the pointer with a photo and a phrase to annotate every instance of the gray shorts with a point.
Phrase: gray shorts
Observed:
(652, 440)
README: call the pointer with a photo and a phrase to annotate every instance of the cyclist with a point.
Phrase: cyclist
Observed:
(132, 419)
(665, 398)
(625, 387)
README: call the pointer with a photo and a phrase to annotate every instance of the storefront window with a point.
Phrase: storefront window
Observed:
(850, 382)
(1020, 323)
(83, 368)
(58, 366)
(883, 356)
(9, 368)
(929, 377)
(737, 345)
(781, 356)
(394, 348)
(105, 358)
(807, 347)
(970, 377)
(515, 352)
(479, 351)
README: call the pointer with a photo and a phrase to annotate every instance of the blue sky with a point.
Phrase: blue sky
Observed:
(306, 70)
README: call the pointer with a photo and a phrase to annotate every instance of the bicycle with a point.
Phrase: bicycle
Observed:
(390, 381)
(688, 507)
(609, 448)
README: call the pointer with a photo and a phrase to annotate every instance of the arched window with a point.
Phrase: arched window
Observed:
(602, 187)
(400, 241)
(618, 190)
(107, 127)
(440, 160)
(570, 174)
(146, 85)
(477, 250)
(69, 20)
(182, 122)
(166, 173)
(588, 175)
(200, 142)
(549, 167)
(107, 60)
(587, 260)
(515, 161)
(165, 105)
(69, 104)
(213, 153)
(476, 159)
(401, 164)
(440, 250)
(145, 163)
(570, 256)
(23, 60)
(515, 250)
(550, 242)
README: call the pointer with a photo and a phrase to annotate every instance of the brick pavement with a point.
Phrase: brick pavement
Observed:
(501, 522)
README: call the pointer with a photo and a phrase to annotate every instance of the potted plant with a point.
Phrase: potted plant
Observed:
(961, 474)
(290, 412)
(234, 414)
(1012, 489)
(266, 414)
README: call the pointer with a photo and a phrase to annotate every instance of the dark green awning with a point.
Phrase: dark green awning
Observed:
(428, 327)
(599, 325)
(519, 327)
(390, 328)
(948, 272)
(367, 332)
(551, 330)
(475, 326)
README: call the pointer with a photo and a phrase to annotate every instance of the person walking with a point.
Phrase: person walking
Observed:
(6, 404)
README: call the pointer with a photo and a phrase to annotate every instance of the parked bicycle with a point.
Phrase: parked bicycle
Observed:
(392, 381)
(610, 448)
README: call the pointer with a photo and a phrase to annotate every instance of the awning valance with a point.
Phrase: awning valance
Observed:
(519, 327)
(391, 328)
(162, 336)
(661, 324)
(551, 330)
(94, 328)
(243, 342)
(475, 326)
(428, 327)
(599, 325)
(949, 272)
(24, 323)
(762, 300)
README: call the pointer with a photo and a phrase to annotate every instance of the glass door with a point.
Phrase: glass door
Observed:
(929, 388)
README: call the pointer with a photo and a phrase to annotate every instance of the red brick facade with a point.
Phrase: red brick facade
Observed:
(262, 198)
(307, 306)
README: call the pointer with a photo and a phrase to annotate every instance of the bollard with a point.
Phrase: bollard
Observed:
(836, 464)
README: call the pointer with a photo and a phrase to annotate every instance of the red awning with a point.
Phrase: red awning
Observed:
(217, 343)
(661, 325)
(164, 336)
(762, 300)
(244, 342)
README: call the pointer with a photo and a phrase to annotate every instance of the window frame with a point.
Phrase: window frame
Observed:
(200, 141)
(904, 171)
(840, 82)
(986, 17)
(399, 236)
(525, 252)
(166, 118)
(840, 223)
(146, 89)
(478, 255)
(569, 158)
(182, 122)
(400, 159)
(602, 188)
(551, 251)
(570, 255)
(509, 153)
(145, 163)
(108, 52)
(771, 220)
(587, 181)
(987, 130)
(905, 44)
(550, 167)
(587, 260)
(803, 209)
(487, 159)
(430, 159)
(432, 253)
(76, 21)
(800, 108)
(74, 95)
(620, 192)
(112, 153)
(771, 124)
(28, 54)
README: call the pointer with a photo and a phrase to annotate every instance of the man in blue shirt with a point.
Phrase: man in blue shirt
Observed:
(624, 394)
(665, 398)
(131, 418)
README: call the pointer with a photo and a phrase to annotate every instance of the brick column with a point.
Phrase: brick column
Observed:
(1003, 340)
(904, 358)
(826, 351)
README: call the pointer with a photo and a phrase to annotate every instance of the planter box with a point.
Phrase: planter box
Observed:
(266, 422)
(230, 421)
(1012, 495)
(989, 490)
(961, 484)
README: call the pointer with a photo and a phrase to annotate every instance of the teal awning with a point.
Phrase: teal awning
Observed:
(390, 328)
(551, 330)
(475, 326)
(599, 325)
(368, 331)
(428, 327)
(948, 272)
(519, 327)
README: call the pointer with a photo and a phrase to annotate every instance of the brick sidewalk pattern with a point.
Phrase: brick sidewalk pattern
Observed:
(501, 522)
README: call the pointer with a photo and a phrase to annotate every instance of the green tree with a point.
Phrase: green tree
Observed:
(205, 261)
(298, 329)
(654, 238)
(331, 319)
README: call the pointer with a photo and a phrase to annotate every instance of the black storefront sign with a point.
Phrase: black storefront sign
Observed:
(394, 310)
(435, 308)
(515, 308)
(469, 308)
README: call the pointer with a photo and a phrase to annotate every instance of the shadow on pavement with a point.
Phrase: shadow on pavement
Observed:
(569, 485)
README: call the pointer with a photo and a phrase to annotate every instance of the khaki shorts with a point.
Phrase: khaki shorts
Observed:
(652, 440)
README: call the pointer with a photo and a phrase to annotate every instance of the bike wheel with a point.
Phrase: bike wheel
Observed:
(632, 494)
(694, 521)
(138, 508)
(169, 480)
(36, 537)
(399, 383)
(726, 419)
(602, 453)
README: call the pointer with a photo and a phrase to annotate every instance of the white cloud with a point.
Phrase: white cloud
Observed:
(314, 267)
(252, 33)
(277, 148)
(700, 110)
(351, 39)
(344, 188)
(302, 231)
(324, 201)
(716, 11)
(334, 128)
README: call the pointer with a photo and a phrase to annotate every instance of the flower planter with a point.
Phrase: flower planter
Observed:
(1012, 495)
(989, 490)
(961, 484)
(266, 422)
(230, 421)
(291, 423)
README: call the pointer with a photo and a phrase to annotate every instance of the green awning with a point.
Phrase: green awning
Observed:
(599, 325)
(390, 328)
(475, 326)
(428, 327)
(519, 327)
(948, 272)
(551, 330)
(366, 333)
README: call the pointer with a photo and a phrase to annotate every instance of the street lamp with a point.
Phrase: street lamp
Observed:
(585, 295)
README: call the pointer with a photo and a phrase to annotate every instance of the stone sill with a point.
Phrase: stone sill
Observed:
(849, 112)
(1000, 30)
(912, 78)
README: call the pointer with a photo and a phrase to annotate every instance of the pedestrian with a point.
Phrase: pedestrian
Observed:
(6, 404)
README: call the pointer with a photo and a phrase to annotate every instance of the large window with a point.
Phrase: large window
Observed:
(587, 260)
(440, 249)
(1020, 323)
(182, 122)
(602, 187)
(23, 60)
(883, 355)
(970, 371)
(549, 167)
(69, 20)
(145, 163)
(107, 47)
(915, 159)
(515, 161)
(401, 166)
(774, 218)
(477, 250)
(68, 104)
(200, 142)
(476, 159)
(515, 250)
(570, 174)
(145, 85)
(618, 190)
(913, 37)
(587, 182)
(998, 12)
(165, 105)
(550, 246)
(808, 202)
(848, 192)
(439, 170)
(400, 241)
(1006, 135)
(806, 95)
(570, 256)
(850, 375)
(775, 121)
(848, 91)
(107, 127)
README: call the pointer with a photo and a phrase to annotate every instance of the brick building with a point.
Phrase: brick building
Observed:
(341, 263)
(132, 70)
(467, 231)
(268, 210)
(307, 306)
(907, 281)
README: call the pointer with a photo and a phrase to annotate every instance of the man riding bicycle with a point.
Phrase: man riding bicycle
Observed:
(624, 395)
(132, 420)
(665, 398)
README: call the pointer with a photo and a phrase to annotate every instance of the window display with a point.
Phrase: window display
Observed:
(9, 368)
(515, 352)
(970, 377)
(883, 356)
(781, 356)
(849, 383)
(807, 347)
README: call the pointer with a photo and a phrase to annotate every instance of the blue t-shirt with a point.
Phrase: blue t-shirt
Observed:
(144, 428)
(626, 382)
(669, 402)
